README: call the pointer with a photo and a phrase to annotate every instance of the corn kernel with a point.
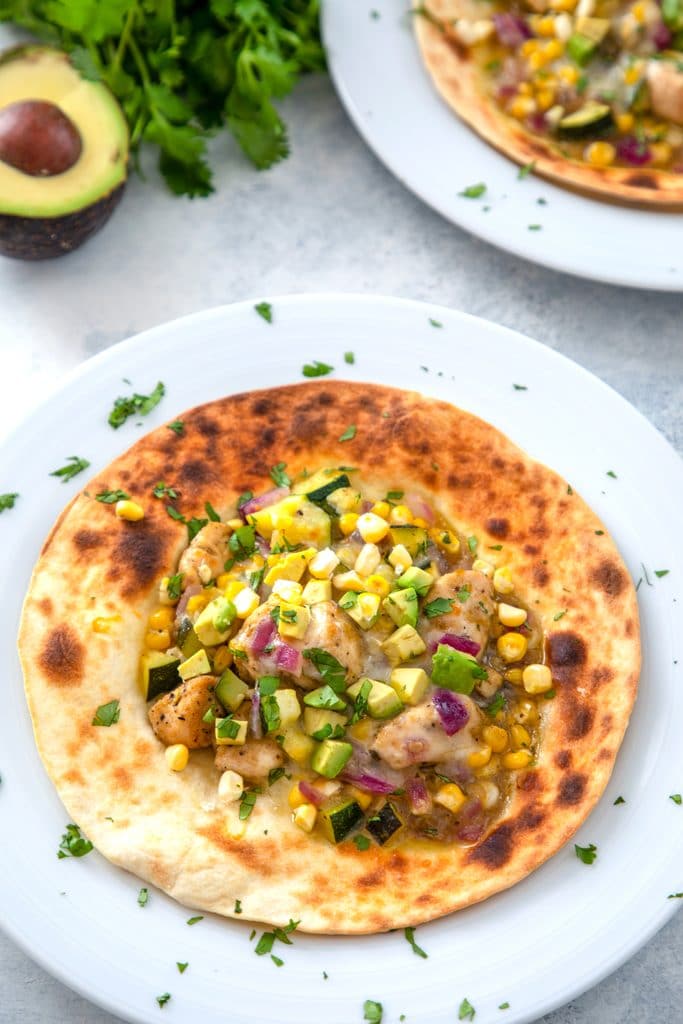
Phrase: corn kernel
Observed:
(638, 11)
(129, 510)
(510, 615)
(233, 588)
(368, 559)
(625, 122)
(479, 565)
(511, 646)
(401, 515)
(563, 5)
(632, 74)
(419, 521)
(293, 621)
(522, 107)
(362, 798)
(222, 659)
(103, 623)
(164, 596)
(162, 618)
(478, 758)
(323, 564)
(660, 153)
(224, 580)
(502, 580)
(569, 74)
(296, 798)
(317, 591)
(514, 760)
(288, 590)
(157, 639)
(347, 523)
(546, 26)
(235, 523)
(537, 679)
(197, 603)
(526, 713)
(495, 737)
(230, 786)
(451, 797)
(520, 736)
(536, 60)
(400, 558)
(348, 581)
(528, 47)
(177, 756)
(600, 154)
(305, 816)
(381, 508)
(514, 676)
(545, 99)
(372, 528)
(375, 584)
(553, 49)
(246, 602)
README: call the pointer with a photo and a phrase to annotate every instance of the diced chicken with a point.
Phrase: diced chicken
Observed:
(177, 717)
(417, 736)
(329, 629)
(253, 761)
(206, 555)
(665, 82)
(471, 611)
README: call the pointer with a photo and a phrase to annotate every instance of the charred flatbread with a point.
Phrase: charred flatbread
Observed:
(387, 678)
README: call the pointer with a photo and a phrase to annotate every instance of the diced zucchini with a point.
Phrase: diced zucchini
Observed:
(230, 732)
(410, 684)
(402, 607)
(299, 521)
(339, 821)
(330, 756)
(414, 538)
(345, 499)
(231, 690)
(212, 625)
(591, 119)
(158, 673)
(317, 591)
(186, 638)
(297, 745)
(383, 701)
(197, 665)
(322, 724)
(404, 644)
(320, 485)
(384, 824)
(417, 578)
(288, 706)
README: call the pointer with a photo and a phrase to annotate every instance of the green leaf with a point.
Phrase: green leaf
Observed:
(7, 501)
(349, 357)
(278, 475)
(473, 191)
(177, 427)
(677, 798)
(661, 572)
(163, 999)
(525, 171)
(410, 937)
(195, 920)
(466, 1011)
(362, 842)
(111, 497)
(143, 897)
(265, 311)
(135, 405)
(73, 844)
(107, 714)
(74, 466)
(439, 606)
(316, 369)
(349, 433)
(372, 1011)
(586, 854)
(332, 672)
(182, 967)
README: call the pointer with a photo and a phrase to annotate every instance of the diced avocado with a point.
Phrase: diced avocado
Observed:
(323, 483)
(456, 671)
(402, 607)
(197, 665)
(383, 701)
(322, 724)
(293, 620)
(324, 697)
(410, 684)
(299, 521)
(212, 625)
(345, 499)
(593, 28)
(330, 756)
(231, 690)
(417, 578)
(317, 591)
(414, 538)
(297, 745)
(363, 610)
(230, 732)
(288, 706)
(404, 644)
(384, 824)
(591, 119)
(158, 673)
(581, 48)
(339, 821)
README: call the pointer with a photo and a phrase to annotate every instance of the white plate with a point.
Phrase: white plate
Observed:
(535, 946)
(376, 67)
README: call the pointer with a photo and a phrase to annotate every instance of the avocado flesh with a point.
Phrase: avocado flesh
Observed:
(43, 216)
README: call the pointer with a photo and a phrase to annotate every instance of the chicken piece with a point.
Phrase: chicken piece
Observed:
(206, 555)
(471, 612)
(417, 736)
(176, 717)
(330, 629)
(665, 82)
(253, 761)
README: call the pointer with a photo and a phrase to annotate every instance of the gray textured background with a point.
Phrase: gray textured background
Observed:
(328, 218)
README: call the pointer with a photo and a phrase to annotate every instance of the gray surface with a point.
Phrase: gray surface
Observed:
(329, 218)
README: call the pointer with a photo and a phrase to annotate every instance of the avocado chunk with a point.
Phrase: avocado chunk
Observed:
(383, 701)
(197, 665)
(230, 732)
(417, 578)
(456, 671)
(404, 644)
(63, 154)
(324, 697)
(410, 684)
(230, 690)
(212, 625)
(384, 824)
(158, 673)
(330, 756)
(414, 538)
(581, 48)
(322, 724)
(339, 821)
(401, 606)
(590, 120)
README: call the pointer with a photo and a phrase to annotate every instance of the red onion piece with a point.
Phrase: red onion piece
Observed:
(255, 715)
(470, 833)
(460, 643)
(633, 151)
(419, 507)
(452, 712)
(510, 29)
(263, 634)
(661, 36)
(418, 796)
(288, 659)
(370, 783)
(263, 501)
(537, 122)
(313, 795)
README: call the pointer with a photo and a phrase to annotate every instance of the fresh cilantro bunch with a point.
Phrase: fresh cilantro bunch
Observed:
(182, 70)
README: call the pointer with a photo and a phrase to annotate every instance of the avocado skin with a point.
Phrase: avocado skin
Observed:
(41, 238)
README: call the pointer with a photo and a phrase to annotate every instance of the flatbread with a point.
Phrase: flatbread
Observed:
(169, 828)
(464, 87)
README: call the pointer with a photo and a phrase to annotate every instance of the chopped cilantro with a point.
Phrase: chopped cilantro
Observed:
(244, 498)
(265, 311)
(619, 800)
(495, 547)
(570, 489)
(247, 802)
(534, 227)
(111, 497)
(435, 323)
(393, 496)
(73, 844)
(7, 501)
(177, 427)
(194, 525)
(267, 940)
(242, 543)
(463, 594)
(675, 896)
(238, 906)
(520, 387)
(473, 191)
(362, 842)
(278, 961)
(68, 472)
(466, 1011)
(175, 514)
(472, 544)
(182, 967)
(360, 706)
(497, 704)
(174, 584)
(162, 490)
(136, 404)
(107, 714)
(349, 358)
(332, 672)
(163, 999)
(586, 854)
(349, 433)
(211, 512)
(143, 897)
(410, 938)
(525, 171)
(439, 606)
(559, 615)
(316, 369)
(504, 1006)
(599, 533)
(610, 472)
(372, 1011)
(661, 572)
(677, 798)
(195, 920)
(278, 475)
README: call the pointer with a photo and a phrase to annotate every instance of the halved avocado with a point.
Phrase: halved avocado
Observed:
(63, 154)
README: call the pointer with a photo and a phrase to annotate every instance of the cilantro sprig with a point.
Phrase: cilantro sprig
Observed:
(182, 71)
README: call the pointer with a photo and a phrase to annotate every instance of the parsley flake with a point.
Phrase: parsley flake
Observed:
(238, 907)
(661, 572)
(559, 615)
(182, 967)
(265, 311)
(316, 369)
(135, 405)
(68, 472)
(111, 497)
(163, 999)
(439, 606)
(372, 1011)
(349, 433)
(107, 714)
(675, 896)
(610, 472)
(677, 798)
(278, 961)
(177, 426)
(332, 672)
(525, 171)
(472, 544)
(619, 800)
(162, 490)
(466, 1011)
(7, 501)
(410, 938)
(435, 323)
(362, 842)
(349, 358)
(143, 897)
(278, 475)
(463, 593)
(586, 854)
(73, 844)
(195, 920)
(497, 704)
(520, 387)
(504, 1006)
(534, 227)
(173, 585)
(473, 191)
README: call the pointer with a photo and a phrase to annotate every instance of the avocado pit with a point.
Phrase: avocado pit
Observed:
(37, 138)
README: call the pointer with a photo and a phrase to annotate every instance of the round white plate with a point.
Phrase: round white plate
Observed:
(535, 946)
(375, 64)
